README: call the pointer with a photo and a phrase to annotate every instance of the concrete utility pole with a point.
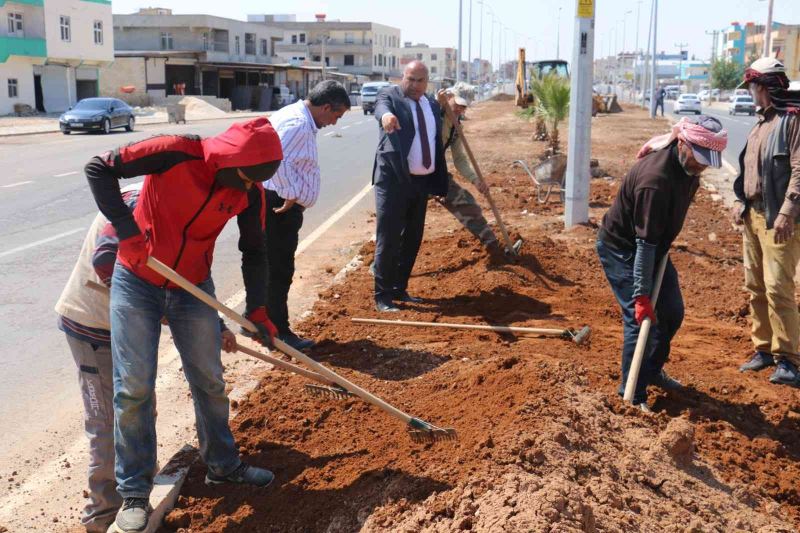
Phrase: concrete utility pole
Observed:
(458, 50)
(637, 56)
(647, 57)
(576, 208)
(680, 47)
(469, 46)
(491, 48)
(713, 35)
(324, 39)
(768, 31)
(653, 72)
(558, 35)
(480, 41)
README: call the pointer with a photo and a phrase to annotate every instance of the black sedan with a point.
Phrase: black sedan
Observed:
(97, 114)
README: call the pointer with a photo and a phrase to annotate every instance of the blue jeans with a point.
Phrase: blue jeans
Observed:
(136, 310)
(618, 266)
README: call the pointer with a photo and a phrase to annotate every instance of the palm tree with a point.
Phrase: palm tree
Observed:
(551, 94)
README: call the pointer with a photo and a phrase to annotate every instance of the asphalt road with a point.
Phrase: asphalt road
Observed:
(738, 127)
(46, 208)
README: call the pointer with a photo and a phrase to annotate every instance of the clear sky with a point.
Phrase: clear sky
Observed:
(530, 23)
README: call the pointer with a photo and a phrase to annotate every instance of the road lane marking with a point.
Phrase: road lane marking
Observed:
(345, 127)
(17, 184)
(330, 133)
(66, 174)
(37, 243)
(357, 123)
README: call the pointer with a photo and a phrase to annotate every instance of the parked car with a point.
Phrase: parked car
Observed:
(688, 102)
(97, 114)
(705, 95)
(369, 95)
(742, 104)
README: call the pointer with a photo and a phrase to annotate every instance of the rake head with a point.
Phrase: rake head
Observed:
(581, 336)
(423, 432)
(329, 391)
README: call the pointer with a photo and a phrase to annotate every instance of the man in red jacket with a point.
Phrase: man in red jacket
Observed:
(192, 188)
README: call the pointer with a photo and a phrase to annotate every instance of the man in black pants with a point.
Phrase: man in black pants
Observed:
(409, 165)
(293, 189)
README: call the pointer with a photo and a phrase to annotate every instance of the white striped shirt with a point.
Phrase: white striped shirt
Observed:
(298, 176)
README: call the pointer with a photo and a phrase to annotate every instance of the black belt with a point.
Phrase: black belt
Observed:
(421, 175)
(757, 204)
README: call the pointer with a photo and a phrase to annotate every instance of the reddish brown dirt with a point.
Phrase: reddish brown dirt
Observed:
(544, 442)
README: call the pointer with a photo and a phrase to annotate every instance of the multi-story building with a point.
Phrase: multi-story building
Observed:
(784, 45)
(441, 61)
(738, 44)
(357, 48)
(161, 54)
(51, 50)
(481, 71)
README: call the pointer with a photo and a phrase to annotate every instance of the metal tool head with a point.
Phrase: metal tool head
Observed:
(328, 391)
(581, 336)
(423, 432)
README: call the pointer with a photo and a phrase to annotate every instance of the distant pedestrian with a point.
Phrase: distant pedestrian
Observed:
(768, 206)
(661, 94)
(409, 165)
(638, 230)
(293, 189)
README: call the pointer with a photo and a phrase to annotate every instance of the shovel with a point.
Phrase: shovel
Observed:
(513, 248)
(644, 331)
(326, 388)
(419, 430)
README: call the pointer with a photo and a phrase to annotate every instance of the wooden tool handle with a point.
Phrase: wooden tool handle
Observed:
(299, 370)
(452, 117)
(644, 332)
(209, 300)
(499, 329)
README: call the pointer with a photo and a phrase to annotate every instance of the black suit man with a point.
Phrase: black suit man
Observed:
(409, 165)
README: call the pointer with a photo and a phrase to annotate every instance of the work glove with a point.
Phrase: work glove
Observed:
(266, 329)
(644, 309)
(133, 250)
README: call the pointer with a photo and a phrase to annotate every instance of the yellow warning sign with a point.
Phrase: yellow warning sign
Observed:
(585, 9)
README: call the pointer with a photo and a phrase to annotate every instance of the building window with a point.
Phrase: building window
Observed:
(166, 41)
(419, 57)
(294, 39)
(375, 60)
(205, 40)
(12, 88)
(237, 46)
(264, 50)
(394, 62)
(348, 38)
(15, 24)
(66, 32)
(316, 59)
(98, 32)
(433, 70)
(433, 57)
(302, 37)
(349, 60)
(250, 44)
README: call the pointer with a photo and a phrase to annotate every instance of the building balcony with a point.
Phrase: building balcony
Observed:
(224, 57)
(15, 46)
(339, 47)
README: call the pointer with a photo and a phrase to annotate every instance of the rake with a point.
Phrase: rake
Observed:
(326, 388)
(579, 337)
(419, 430)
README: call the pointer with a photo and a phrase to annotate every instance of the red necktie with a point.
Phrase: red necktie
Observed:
(423, 137)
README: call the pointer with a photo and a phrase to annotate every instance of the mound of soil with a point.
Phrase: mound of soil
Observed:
(545, 444)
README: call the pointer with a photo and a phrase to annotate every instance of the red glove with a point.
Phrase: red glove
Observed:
(266, 329)
(133, 250)
(644, 309)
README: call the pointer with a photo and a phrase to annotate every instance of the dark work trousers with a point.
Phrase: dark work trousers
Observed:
(660, 103)
(618, 266)
(282, 232)
(400, 225)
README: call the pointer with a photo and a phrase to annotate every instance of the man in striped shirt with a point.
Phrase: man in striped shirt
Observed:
(293, 189)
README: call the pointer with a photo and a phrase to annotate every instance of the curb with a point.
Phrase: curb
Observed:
(167, 485)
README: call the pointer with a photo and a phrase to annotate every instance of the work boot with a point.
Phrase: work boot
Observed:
(785, 374)
(759, 361)
(244, 474)
(132, 516)
(662, 380)
(385, 305)
(298, 343)
(403, 296)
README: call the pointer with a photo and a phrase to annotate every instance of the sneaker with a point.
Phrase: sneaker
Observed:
(785, 374)
(298, 343)
(132, 516)
(662, 380)
(244, 474)
(759, 361)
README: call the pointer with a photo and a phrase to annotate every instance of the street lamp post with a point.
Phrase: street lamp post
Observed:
(469, 46)
(768, 31)
(458, 49)
(558, 34)
(636, 78)
(680, 47)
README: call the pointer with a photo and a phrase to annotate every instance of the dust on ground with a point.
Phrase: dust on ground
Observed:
(545, 444)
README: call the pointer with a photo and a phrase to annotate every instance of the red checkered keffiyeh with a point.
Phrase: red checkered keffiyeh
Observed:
(689, 132)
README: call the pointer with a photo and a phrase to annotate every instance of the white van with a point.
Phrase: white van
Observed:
(369, 95)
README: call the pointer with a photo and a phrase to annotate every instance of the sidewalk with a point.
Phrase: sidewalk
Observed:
(10, 125)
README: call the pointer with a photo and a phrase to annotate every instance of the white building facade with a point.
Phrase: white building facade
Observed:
(441, 61)
(51, 52)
